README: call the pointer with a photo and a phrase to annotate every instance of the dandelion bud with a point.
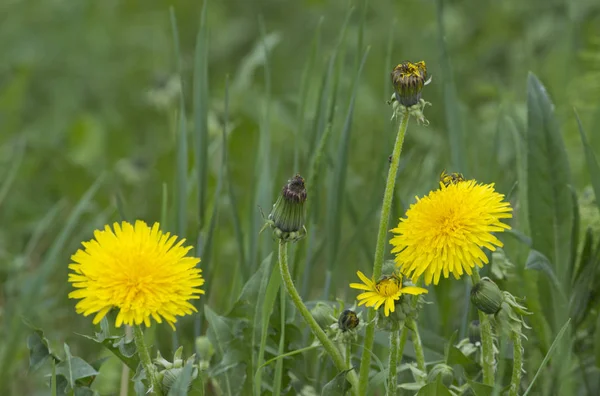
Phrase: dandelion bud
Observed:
(442, 370)
(348, 320)
(323, 314)
(287, 216)
(487, 296)
(474, 333)
(408, 80)
(204, 348)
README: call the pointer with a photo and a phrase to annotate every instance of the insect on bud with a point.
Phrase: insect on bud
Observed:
(452, 178)
(348, 320)
(408, 80)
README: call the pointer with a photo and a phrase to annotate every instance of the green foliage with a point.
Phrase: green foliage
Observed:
(195, 116)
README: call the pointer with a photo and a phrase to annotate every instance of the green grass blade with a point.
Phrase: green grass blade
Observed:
(265, 309)
(304, 90)
(387, 87)
(207, 249)
(550, 206)
(11, 174)
(554, 345)
(262, 172)
(592, 163)
(164, 205)
(182, 146)
(336, 194)
(47, 267)
(200, 113)
(182, 153)
(451, 108)
(281, 350)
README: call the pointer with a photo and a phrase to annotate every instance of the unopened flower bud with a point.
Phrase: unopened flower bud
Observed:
(408, 80)
(348, 320)
(287, 216)
(204, 348)
(442, 370)
(474, 332)
(487, 296)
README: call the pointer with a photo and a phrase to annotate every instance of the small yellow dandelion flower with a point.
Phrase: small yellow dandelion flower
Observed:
(385, 291)
(445, 231)
(139, 270)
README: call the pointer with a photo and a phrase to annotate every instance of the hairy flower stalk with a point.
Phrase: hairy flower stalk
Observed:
(144, 356)
(404, 114)
(287, 221)
(487, 341)
(392, 380)
(515, 380)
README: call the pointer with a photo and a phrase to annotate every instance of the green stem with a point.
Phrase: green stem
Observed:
(393, 363)
(416, 339)
(329, 346)
(281, 351)
(403, 337)
(348, 354)
(365, 362)
(487, 341)
(515, 381)
(144, 355)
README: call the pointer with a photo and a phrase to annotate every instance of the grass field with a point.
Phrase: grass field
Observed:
(196, 114)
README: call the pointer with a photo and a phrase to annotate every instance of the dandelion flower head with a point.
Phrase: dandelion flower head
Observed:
(445, 232)
(138, 270)
(383, 292)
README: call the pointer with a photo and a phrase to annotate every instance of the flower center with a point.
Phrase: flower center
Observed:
(388, 287)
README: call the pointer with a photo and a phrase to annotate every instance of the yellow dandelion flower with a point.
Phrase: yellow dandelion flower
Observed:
(139, 270)
(445, 231)
(385, 291)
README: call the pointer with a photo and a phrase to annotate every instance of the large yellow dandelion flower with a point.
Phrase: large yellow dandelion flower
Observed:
(445, 231)
(139, 270)
(385, 291)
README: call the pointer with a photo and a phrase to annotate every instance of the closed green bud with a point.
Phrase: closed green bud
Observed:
(287, 217)
(323, 314)
(487, 296)
(442, 370)
(169, 377)
(474, 332)
(408, 80)
(204, 348)
(348, 320)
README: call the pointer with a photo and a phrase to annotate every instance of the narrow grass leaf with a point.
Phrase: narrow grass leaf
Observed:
(592, 163)
(268, 302)
(337, 191)
(451, 108)
(305, 80)
(264, 185)
(200, 114)
(182, 149)
(554, 345)
(11, 174)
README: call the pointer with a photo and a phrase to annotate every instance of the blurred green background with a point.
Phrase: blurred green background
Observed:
(89, 95)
